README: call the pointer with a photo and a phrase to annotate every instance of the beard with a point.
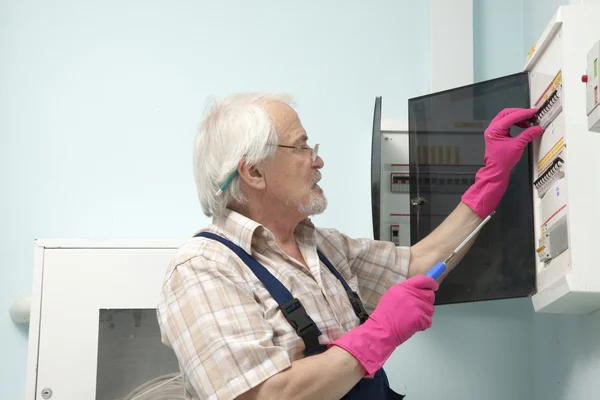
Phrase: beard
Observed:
(317, 203)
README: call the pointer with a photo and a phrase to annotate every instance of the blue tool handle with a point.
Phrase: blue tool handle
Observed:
(437, 270)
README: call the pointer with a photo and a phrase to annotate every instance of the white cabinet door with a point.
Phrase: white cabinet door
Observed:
(99, 337)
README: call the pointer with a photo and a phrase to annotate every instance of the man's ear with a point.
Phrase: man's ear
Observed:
(252, 176)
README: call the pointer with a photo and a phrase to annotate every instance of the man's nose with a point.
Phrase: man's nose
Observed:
(319, 163)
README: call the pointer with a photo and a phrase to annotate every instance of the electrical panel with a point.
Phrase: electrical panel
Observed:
(399, 182)
(391, 180)
(542, 241)
(562, 68)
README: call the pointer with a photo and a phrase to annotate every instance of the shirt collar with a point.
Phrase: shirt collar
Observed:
(242, 230)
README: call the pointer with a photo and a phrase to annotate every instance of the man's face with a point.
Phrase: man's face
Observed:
(292, 176)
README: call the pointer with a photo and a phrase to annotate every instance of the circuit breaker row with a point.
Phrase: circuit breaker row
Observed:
(439, 183)
(550, 183)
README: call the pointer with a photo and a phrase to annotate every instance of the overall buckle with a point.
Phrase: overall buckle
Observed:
(357, 305)
(305, 327)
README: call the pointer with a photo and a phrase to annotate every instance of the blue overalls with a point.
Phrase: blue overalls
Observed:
(372, 389)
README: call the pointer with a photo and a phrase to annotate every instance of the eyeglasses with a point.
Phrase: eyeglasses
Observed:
(315, 149)
(315, 153)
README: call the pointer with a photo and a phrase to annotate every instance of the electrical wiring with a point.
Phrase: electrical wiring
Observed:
(165, 387)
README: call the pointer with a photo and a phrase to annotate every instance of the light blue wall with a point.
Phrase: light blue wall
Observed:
(504, 31)
(537, 14)
(98, 106)
(480, 350)
(497, 38)
(565, 352)
(99, 102)
(473, 351)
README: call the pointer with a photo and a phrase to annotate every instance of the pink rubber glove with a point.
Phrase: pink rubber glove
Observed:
(502, 153)
(403, 310)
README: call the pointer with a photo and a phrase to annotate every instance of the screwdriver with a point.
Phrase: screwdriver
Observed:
(439, 268)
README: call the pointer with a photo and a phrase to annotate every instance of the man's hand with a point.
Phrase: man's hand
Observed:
(405, 309)
(502, 153)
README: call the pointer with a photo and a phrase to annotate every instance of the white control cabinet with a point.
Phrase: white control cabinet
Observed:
(395, 183)
(566, 194)
(93, 327)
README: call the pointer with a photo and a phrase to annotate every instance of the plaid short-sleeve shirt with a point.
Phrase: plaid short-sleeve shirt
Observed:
(223, 325)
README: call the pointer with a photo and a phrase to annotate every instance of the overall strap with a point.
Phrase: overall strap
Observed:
(357, 305)
(291, 307)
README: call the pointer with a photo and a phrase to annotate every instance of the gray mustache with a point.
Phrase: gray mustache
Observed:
(317, 177)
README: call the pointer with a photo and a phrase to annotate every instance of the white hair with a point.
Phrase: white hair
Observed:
(233, 127)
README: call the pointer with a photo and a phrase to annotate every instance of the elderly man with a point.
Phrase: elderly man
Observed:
(262, 304)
